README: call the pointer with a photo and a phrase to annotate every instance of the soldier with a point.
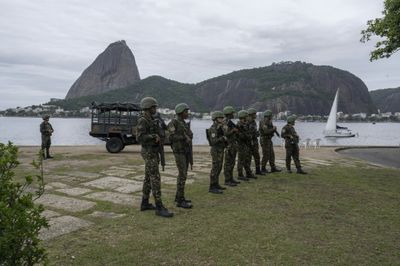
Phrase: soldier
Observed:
(244, 153)
(254, 147)
(148, 135)
(267, 131)
(291, 145)
(46, 130)
(181, 138)
(230, 132)
(217, 141)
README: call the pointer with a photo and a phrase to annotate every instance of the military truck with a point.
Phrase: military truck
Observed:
(115, 123)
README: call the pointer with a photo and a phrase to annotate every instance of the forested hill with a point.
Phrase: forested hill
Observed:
(302, 88)
(387, 100)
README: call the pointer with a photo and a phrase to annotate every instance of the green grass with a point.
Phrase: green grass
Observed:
(334, 215)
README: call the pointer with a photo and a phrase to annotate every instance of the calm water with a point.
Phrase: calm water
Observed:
(75, 131)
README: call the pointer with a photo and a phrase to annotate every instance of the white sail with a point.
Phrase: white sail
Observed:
(331, 124)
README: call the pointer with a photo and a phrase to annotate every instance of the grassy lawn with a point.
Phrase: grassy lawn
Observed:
(334, 215)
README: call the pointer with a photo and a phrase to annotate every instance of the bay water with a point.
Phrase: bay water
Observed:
(75, 131)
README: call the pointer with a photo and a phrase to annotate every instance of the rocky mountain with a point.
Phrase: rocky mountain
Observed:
(302, 88)
(387, 100)
(296, 86)
(113, 69)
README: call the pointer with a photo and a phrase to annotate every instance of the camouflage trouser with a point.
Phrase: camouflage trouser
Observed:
(244, 160)
(217, 155)
(152, 179)
(268, 154)
(182, 164)
(253, 153)
(230, 158)
(292, 150)
(46, 141)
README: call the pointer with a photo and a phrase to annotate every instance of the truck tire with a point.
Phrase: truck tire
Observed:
(114, 145)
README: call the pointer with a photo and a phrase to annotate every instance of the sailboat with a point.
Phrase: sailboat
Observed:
(332, 129)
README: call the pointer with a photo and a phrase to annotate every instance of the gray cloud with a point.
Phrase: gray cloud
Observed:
(47, 44)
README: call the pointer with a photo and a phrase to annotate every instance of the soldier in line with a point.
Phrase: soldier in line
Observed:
(148, 135)
(230, 132)
(244, 153)
(254, 147)
(217, 141)
(46, 130)
(181, 138)
(291, 145)
(267, 131)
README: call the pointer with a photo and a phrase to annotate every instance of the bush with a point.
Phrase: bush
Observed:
(20, 218)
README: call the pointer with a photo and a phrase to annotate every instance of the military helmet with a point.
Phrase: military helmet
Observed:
(291, 119)
(229, 110)
(243, 114)
(181, 107)
(46, 117)
(251, 111)
(148, 102)
(267, 113)
(217, 114)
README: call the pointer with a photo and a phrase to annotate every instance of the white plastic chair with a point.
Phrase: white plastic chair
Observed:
(315, 143)
(306, 143)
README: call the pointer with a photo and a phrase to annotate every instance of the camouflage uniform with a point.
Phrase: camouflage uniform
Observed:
(268, 154)
(46, 131)
(230, 150)
(291, 145)
(244, 153)
(217, 142)
(148, 129)
(180, 137)
(254, 147)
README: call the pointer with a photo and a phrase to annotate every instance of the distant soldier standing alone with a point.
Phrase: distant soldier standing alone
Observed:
(291, 145)
(267, 131)
(46, 130)
(181, 138)
(148, 135)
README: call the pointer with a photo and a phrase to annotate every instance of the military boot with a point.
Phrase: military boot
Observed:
(181, 203)
(251, 176)
(146, 205)
(219, 187)
(275, 170)
(162, 211)
(230, 184)
(48, 156)
(215, 190)
(183, 198)
(289, 171)
(258, 171)
(241, 177)
(264, 170)
(300, 171)
(235, 181)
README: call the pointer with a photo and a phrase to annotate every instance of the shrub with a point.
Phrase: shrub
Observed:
(20, 217)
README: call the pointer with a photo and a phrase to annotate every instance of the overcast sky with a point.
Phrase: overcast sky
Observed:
(45, 45)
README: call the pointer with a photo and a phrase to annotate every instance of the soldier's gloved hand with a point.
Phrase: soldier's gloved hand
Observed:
(188, 139)
(157, 140)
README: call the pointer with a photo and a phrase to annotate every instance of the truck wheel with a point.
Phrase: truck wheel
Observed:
(114, 145)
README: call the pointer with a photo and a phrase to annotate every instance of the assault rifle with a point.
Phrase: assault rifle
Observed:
(163, 127)
(190, 150)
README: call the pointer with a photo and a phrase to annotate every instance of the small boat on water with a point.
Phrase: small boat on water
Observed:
(332, 130)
